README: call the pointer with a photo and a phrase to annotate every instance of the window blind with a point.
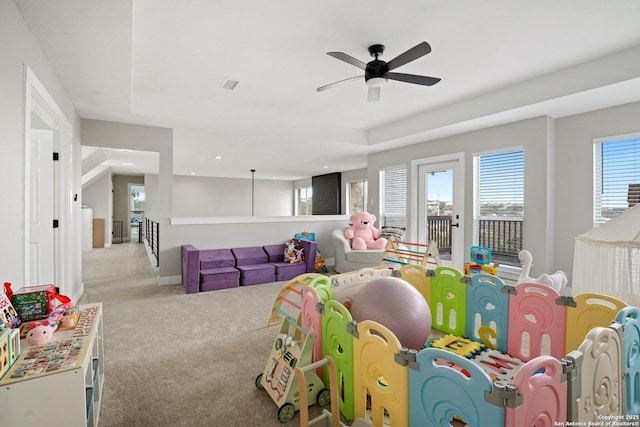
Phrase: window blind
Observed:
(616, 177)
(393, 182)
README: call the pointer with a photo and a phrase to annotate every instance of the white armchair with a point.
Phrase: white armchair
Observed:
(348, 259)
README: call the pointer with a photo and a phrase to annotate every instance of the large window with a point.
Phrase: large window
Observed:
(393, 196)
(356, 196)
(498, 203)
(616, 176)
(304, 201)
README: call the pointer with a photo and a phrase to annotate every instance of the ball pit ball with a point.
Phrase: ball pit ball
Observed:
(396, 305)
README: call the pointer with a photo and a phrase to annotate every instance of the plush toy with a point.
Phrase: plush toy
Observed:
(41, 333)
(293, 254)
(363, 234)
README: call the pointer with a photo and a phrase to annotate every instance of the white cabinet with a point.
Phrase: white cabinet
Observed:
(65, 387)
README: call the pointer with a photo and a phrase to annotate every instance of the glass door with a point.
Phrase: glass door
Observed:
(440, 211)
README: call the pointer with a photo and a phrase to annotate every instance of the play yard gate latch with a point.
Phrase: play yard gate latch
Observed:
(508, 289)
(320, 307)
(430, 273)
(504, 394)
(567, 301)
(569, 369)
(352, 328)
(407, 357)
(466, 280)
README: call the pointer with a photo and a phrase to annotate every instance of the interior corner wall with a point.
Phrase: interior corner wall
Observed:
(151, 197)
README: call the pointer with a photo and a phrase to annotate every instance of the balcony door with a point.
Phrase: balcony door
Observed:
(440, 206)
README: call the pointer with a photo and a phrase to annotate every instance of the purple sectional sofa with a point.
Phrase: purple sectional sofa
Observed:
(212, 269)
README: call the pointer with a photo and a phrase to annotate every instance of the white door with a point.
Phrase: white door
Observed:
(441, 209)
(41, 215)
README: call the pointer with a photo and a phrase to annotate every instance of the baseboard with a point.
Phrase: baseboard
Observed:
(169, 280)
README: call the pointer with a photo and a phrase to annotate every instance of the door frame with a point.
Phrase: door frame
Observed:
(458, 199)
(38, 101)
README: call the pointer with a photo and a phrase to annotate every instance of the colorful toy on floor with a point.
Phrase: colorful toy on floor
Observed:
(42, 332)
(480, 262)
(398, 306)
(320, 266)
(557, 280)
(292, 348)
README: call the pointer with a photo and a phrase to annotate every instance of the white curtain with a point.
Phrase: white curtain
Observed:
(607, 259)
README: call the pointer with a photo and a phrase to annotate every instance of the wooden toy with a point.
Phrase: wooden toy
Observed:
(293, 347)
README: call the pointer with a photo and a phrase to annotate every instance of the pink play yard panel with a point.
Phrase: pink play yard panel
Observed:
(544, 395)
(312, 322)
(536, 322)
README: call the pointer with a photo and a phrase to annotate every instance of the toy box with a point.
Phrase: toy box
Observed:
(32, 302)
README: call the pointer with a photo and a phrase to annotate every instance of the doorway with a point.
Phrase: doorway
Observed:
(440, 206)
(136, 212)
(48, 243)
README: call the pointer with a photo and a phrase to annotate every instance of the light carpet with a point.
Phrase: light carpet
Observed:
(173, 359)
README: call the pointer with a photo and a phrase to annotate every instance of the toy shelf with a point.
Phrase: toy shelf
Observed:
(70, 380)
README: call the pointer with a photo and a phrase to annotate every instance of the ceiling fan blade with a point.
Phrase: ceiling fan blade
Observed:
(348, 59)
(419, 50)
(330, 85)
(373, 95)
(412, 78)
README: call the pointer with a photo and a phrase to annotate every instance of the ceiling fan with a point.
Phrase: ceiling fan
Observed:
(378, 72)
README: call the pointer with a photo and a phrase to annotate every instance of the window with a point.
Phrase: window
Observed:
(393, 197)
(498, 204)
(304, 201)
(357, 196)
(616, 176)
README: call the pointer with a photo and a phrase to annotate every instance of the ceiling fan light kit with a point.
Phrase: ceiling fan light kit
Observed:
(377, 72)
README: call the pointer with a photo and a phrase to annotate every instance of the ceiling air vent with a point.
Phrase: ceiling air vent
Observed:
(229, 84)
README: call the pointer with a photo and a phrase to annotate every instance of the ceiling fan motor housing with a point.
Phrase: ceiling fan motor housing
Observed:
(375, 74)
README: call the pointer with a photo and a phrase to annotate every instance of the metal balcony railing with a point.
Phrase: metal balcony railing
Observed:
(502, 236)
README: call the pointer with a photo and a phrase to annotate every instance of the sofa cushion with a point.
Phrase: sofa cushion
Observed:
(287, 271)
(275, 253)
(219, 278)
(249, 255)
(256, 273)
(216, 258)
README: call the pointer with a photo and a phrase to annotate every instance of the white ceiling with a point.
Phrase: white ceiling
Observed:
(162, 62)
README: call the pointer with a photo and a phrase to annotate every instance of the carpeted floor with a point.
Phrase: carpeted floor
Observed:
(173, 359)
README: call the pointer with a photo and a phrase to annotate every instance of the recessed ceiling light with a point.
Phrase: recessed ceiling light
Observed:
(125, 149)
(127, 164)
(325, 167)
(218, 157)
(229, 84)
(192, 173)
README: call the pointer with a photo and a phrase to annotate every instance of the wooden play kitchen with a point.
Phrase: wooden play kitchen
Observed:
(59, 382)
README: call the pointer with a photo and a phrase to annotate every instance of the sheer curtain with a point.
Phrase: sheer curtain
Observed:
(607, 259)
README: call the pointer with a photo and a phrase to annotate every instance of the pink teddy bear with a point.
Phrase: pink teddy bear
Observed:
(363, 234)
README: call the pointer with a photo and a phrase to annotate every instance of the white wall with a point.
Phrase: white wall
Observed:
(574, 171)
(18, 47)
(97, 195)
(205, 196)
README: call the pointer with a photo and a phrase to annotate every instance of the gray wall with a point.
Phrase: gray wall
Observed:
(203, 196)
(98, 195)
